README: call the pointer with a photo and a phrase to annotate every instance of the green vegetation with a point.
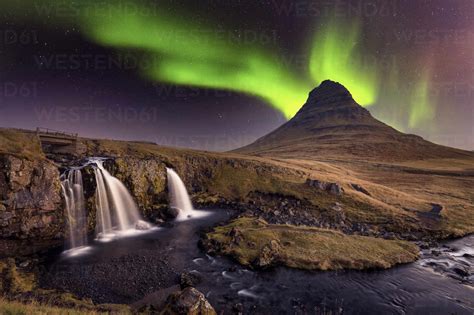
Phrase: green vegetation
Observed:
(253, 242)
(13, 281)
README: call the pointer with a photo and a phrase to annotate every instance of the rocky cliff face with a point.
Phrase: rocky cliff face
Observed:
(30, 199)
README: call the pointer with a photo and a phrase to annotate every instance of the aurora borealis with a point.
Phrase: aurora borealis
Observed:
(376, 56)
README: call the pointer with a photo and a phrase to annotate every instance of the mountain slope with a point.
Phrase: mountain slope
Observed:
(331, 124)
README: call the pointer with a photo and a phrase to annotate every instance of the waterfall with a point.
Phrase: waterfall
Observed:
(180, 197)
(116, 210)
(73, 191)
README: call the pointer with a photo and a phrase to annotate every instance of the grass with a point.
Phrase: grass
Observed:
(36, 308)
(20, 144)
(14, 281)
(307, 248)
(30, 299)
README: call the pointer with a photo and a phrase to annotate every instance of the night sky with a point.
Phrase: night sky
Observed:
(217, 74)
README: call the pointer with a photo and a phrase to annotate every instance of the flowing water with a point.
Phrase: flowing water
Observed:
(179, 197)
(72, 187)
(134, 271)
(137, 270)
(117, 212)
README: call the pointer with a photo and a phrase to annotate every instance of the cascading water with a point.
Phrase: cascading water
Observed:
(73, 191)
(116, 210)
(180, 197)
(117, 214)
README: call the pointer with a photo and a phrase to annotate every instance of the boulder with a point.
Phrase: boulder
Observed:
(142, 225)
(316, 183)
(188, 302)
(188, 279)
(332, 188)
(335, 189)
(170, 213)
(268, 255)
(461, 270)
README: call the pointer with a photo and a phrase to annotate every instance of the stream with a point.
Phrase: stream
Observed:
(133, 270)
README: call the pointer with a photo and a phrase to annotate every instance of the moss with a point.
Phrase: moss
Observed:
(14, 281)
(253, 242)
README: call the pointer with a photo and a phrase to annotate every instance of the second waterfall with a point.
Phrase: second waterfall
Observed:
(179, 198)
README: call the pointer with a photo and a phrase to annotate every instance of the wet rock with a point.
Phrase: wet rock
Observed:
(159, 221)
(142, 225)
(188, 279)
(170, 213)
(188, 302)
(25, 264)
(461, 270)
(238, 308)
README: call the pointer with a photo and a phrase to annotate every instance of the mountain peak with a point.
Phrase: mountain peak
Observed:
(329, 94)
(332, 124)
(330, 105)
(328, 87)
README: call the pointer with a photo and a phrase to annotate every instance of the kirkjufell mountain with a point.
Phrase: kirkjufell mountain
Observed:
(332, 124)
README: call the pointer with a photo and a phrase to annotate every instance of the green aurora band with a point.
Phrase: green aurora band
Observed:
(190, 54)
(421, 104)
(334, 55)
(193, 55)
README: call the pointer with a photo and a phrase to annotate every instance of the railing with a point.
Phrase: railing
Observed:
(57, 133)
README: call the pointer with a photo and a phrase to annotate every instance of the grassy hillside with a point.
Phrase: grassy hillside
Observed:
(20, 144)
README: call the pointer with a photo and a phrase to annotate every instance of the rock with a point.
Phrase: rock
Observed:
(236, 236)
(361, 189)
(461, 270)
(142, 225)
(188, 279)
(31, 204)
(188, 302)
(424, 245)
(316, 183)
(335, 189)
(238, 308)
(170, 213)
(159, 221)
(25, 264)
(268, 255)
